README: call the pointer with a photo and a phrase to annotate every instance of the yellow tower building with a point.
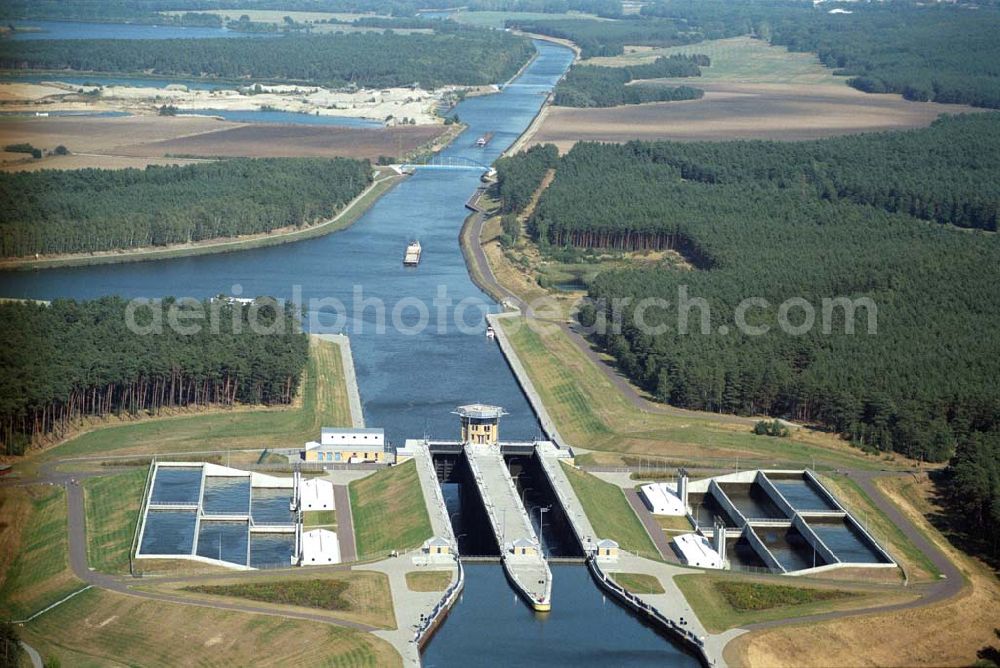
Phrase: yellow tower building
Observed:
(480, 423)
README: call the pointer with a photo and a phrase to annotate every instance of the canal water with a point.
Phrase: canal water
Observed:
(410, 376)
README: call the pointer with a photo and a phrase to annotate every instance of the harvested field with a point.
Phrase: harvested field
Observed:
(743, 111)
(273, 141)
(135, 141)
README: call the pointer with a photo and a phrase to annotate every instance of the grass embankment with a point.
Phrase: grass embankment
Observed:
(320, 519)
(341, 220)
(389, 511)
(428, 580)
(112, 506)
(914, 562)
(610, 513)
(361, 596)
(34, 550)
(673, 524)
(724, 602)
(104, 628)
(591, 412)
(638, 583)
(322, 403)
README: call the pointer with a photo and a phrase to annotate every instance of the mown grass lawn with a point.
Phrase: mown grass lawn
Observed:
(610, 513)
(100, 628)
(389, 511)
(638, 583)
(112, 506)
(428, 580)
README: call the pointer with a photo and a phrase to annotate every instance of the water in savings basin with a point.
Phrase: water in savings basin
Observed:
(791, 550)
(801, 495)
(177, 484)
(847, 542)
(752, 501)
(271, 550)
(225, 541)
(168, 532)
(270, 506)
(226, 495)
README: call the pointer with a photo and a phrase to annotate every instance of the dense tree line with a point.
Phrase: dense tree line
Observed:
(467, 57)
(72, 211)
(75, 359)
(814, 220)
(591, 86)
(607, 38)
(972, 490)
(924, 51)
(130, 10)
(519, 176)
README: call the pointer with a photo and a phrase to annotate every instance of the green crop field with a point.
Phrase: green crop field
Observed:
(389, 511)
(738, 60)
(726, 601)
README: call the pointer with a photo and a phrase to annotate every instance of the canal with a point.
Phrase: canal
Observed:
(413, 373)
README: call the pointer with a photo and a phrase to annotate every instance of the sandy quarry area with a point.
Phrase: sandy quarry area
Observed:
(388, 105)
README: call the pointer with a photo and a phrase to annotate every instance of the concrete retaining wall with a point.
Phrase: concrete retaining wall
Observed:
(723, 500)
(765, 554)
(548, 424)
(776, 496)
(692, 642)
(814, 540)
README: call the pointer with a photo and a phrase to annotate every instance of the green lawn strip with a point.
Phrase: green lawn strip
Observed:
(39, 573)
(321, 405)
(112, 506)
(315, 593)
(722, 603)
(428, 580)
(610, 513)
(578, 394)
(103, 628)
(638, 583)
(882, 528)
(389, 511)
(319, 518)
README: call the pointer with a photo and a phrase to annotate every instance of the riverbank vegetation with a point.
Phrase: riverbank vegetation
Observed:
(590, 86)
(389, 511)
(256, 355)
(470, 57)
(89, 210)
(853, 217)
